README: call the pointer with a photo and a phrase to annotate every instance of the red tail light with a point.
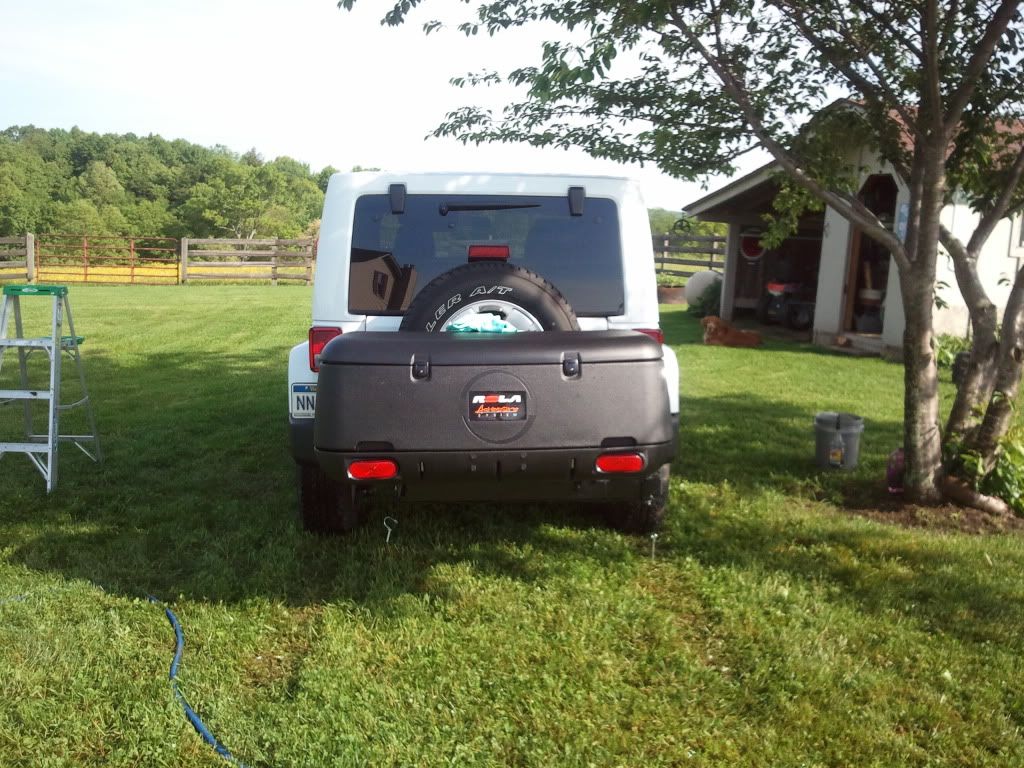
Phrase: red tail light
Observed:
(620, 463)
(372, 469)
(488, 253)
(318, 338)
(654, 333)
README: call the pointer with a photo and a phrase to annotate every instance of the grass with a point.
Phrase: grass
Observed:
(773, 627)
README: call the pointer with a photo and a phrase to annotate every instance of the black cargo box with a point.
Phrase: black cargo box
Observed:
(539, 402)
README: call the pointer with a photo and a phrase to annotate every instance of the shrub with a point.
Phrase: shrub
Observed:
(708, 303)
(670, 280)
(946, 348)
(1005, 480)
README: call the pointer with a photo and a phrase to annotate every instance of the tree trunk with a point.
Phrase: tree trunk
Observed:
(1000, 411)
(976, 387)
(921, 435)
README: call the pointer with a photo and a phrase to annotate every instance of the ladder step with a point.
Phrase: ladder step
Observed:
(35, 290)
(24, 448)
(63, 438)
(41, 342)
(75, 404)
(24, 394)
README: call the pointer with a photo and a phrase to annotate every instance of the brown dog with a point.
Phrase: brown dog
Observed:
(719, 332)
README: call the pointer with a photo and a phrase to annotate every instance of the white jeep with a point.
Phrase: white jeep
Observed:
(483, 337)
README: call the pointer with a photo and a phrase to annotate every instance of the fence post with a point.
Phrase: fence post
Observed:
(30, 257)
(183, 271)
(309, 264)
(273, 264)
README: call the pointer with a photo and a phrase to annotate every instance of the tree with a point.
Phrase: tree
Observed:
(935, 86)
(665, 221)
(324, 177)
(75, 181)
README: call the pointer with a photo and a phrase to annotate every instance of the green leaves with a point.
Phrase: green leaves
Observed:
(74, 181)
(1006, 480)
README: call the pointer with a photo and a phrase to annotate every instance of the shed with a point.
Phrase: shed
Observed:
(849, 281)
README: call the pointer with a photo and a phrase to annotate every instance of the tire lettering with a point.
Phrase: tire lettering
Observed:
(454, 300)
(482, 290)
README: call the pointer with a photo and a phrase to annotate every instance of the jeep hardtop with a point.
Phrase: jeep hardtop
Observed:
(483, 337)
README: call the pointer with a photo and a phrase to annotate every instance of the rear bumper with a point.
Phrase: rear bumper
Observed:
(533, 475)
(300, 432)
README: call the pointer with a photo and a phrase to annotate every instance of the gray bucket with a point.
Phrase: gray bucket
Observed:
(837, 439)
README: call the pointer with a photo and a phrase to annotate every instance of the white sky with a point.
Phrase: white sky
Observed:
(288, 77)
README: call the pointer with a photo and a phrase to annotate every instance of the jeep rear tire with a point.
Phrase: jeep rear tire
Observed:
(647, 514)
(487, 284)
(327, 507)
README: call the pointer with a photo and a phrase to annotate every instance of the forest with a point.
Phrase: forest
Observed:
(77, 182)
(105, 184)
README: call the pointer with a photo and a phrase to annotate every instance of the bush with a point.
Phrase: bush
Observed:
(670, 280)
(947, 347)
(708, 303)
(1005, 480)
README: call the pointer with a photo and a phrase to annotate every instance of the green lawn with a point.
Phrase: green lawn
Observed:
(773, 627)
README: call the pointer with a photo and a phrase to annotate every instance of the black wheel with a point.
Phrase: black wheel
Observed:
(647, 514)
(762, 308)
(799, 316)
(517, 295)
(328, 507)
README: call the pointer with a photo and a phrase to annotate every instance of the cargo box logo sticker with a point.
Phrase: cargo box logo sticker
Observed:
(497, 406)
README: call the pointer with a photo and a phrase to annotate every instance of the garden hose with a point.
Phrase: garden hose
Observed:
(179, 648)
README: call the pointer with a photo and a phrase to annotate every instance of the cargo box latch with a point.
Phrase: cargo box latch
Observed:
(420, 367)
(571, 365)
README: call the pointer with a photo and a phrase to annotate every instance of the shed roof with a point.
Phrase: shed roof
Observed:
(751, 192)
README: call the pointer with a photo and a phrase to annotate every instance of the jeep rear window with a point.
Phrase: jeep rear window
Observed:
(395, 255)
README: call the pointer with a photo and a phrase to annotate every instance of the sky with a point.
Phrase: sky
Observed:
(287, 77)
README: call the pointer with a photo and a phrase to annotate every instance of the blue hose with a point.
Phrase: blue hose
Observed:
(197, 722)
(179, 647)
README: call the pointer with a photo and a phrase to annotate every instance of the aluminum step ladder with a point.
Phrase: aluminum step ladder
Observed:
(41, 449)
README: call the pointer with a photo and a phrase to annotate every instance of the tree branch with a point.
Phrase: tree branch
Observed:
(1000, 207)
(897, 34)
(866, 87)
(975, 68)
(976, 386)
(931, 91)
(848, 206)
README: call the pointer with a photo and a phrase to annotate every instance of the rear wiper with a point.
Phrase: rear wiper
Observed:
(445, 208)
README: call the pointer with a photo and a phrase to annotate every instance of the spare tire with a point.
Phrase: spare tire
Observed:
(517, 295)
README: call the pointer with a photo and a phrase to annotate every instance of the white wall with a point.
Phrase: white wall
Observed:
(998, 262)
(835, 245)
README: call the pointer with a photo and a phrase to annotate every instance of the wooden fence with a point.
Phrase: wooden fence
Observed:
(65, 258)
(17, 258)
(106, 259)
(232, 260)
(675, 254)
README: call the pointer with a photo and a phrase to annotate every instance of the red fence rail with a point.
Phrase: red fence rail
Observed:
(107, 259)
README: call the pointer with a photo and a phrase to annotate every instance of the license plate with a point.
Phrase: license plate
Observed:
(303, 400)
